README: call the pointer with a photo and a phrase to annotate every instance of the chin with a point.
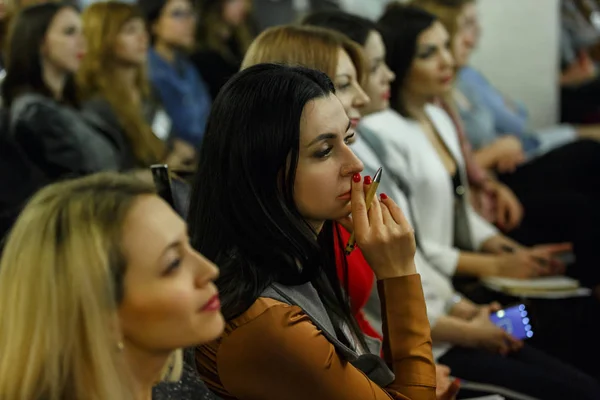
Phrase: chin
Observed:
(211, 329)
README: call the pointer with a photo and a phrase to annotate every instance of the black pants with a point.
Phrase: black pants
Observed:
(529, 371)
(581, 104)
(567, 329)
(560, 192)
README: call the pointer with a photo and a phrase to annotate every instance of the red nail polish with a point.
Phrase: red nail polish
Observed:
(356, 178)
(368, 180)
(383, 196)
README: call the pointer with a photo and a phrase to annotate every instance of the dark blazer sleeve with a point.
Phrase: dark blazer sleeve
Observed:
(39, 131)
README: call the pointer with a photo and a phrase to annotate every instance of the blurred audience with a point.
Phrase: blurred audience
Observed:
(579, 79)
(573, 189)
(448, 312)
(278, 12)
(112, 81)
(111, 296)
(45, 138)
(182, 91)
(224, 33)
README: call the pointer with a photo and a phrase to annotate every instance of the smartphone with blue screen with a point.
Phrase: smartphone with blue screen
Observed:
(515, 320)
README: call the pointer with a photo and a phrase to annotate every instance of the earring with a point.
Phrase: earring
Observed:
(120, 346)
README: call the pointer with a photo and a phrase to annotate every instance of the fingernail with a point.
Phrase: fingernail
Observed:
(383, 196)
(368, 180)
(356, 178)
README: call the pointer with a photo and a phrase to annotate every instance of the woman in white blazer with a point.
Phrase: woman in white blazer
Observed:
(461, 330)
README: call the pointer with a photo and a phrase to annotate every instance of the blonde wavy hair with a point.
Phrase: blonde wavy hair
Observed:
(306, 46)
(102, 23)
(61, 282)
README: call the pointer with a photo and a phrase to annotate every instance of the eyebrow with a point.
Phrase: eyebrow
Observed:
(343, 76)
(171, 246)
(327, 136)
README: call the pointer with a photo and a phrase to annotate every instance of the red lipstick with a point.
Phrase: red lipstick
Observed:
(214, 304)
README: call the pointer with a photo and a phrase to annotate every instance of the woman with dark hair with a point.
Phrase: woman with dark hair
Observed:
(342, 60)
(224, 33)
(182, 91)
(48, 137)
(275, 172)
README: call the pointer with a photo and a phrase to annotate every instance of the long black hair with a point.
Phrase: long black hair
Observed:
(242, 213)
(355, 27)
(400, 27)
(23, 59)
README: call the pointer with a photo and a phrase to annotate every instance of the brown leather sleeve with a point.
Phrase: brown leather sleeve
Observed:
(280, 354)
(407, 337)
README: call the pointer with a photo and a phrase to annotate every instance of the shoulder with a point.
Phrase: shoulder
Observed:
(439, 117)
(98, 111)
(470, 74)
(34, 111)
(282, 337)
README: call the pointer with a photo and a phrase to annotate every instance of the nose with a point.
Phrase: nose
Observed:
(352, 164)
(447, 59)
(390, 76)
(206, 270)
(360, 98)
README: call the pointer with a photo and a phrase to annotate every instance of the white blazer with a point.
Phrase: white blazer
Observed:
(437, 287)
(442, 227)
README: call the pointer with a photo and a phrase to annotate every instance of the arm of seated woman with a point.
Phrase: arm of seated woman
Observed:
(282, 354)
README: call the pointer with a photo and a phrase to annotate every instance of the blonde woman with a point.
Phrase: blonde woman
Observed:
(99, 288)
(113, 82)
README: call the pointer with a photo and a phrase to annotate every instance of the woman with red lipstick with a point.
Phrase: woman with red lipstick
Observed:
(273, 45)
(99, 292)
(266, 192)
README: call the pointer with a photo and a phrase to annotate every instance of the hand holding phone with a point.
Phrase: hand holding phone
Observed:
(484, 334)
(514, 320)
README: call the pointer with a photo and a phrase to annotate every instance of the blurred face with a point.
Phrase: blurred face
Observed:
(169, 298)
(131, 44)
(235, 11)
(64, 45)
(380, 76)
(176, 25)
(325, 162)
(348, 91)
(432, 70)
(467, 35)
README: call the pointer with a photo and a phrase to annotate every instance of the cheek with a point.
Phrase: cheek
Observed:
(316, 188)
(346, 100)
(161, 316)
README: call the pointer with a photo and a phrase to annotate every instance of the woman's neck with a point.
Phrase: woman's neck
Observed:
(414, 105)
(54, 80)
(166, 52)
(146, 369)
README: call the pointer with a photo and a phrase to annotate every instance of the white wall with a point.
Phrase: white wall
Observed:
(519, 53)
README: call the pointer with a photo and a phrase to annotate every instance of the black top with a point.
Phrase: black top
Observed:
(216, 69)
(457, 186)
(190, 387)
